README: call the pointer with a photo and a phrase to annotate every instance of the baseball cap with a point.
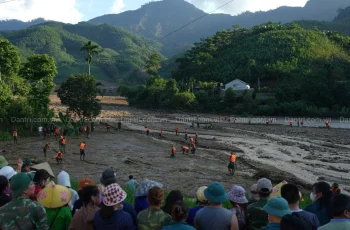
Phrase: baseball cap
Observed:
(264, 184)
(107, 176)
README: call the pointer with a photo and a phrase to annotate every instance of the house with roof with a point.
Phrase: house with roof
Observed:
(237, 85)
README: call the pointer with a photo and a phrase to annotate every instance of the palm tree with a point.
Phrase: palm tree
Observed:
(91, 50)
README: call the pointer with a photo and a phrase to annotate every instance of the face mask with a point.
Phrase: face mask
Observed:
(312, 197)
(8, 191)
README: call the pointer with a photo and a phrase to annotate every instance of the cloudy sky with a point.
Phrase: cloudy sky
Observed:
(73, 11)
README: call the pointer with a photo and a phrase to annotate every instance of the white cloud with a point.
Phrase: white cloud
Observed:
(118, 7)
(25, 10)
(239, 6)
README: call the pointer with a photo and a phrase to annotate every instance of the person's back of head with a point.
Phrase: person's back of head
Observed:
(40, 177)
(290, 192)
(326, 195)
(174, 195)
(131, 177)
(294, 222)
(90, 194)
(264, 187)
(3, 183)
(341, 206)
(179, 211)
(155, 196)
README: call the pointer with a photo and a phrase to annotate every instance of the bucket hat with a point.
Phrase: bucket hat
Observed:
(8, 172)
(144, 186)
(277, 206)
(27, 162)
(200, 194)
(237, 195)
(113, 194)
(216, 193)
(54, 196)
(3, 162)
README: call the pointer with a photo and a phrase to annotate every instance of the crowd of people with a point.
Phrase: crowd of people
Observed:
(31, 200)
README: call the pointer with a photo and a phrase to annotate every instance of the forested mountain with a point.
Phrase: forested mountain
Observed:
(156, 19)
(14, 24)
(122, 52)
(296, 64)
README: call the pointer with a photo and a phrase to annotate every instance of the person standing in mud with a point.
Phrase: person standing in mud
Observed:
(160, 134)
(173, 151)
(193, 150)
(63, 142)
(82, 150)
(46, 147)
(231, 165)
(298, 123)
(59, 157)
(177, 130)
(186, 133)
(291, 123)
(108, 127)
(185, 149)
(119, 125)
(15, 135)
(147, 131)
(302, 122)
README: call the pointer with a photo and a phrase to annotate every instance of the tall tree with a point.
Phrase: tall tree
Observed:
(91, 50)
(9, 59)
(39, 71)
(79, 93)
(153, 64)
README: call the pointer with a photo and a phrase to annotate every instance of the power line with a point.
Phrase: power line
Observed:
(7, 1)
(196, 20)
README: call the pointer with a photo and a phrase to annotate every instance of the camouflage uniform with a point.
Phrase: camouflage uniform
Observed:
(152, 219)
(257, 217)
(23, 214)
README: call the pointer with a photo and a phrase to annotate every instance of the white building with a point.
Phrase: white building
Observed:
(237, 85)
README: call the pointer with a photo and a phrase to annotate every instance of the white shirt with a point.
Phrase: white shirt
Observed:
(40, 129)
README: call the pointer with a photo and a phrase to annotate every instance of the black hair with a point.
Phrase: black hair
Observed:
(87, 192)
(3, 183)
(179, 211)
(131, 177)
(41, 174)
(290, 192)
(264, 193)
(295, 221)
(174, 195)
(340, 203)
(327, 195)
(110, 181)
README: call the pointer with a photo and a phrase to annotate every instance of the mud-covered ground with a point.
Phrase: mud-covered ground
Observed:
(300, 155)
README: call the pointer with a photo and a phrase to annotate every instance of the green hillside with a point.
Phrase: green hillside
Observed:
(122, 52)
(298, 65)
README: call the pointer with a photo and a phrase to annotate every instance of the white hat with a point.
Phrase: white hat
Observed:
(8, 172)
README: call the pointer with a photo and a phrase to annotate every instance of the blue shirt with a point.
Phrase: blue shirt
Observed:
(178, 226)
(309, 217)
(321, 213)
(192, 214)
(131, 185)
(127, 207)
(120, 220)
(272, 226)
(141, 203)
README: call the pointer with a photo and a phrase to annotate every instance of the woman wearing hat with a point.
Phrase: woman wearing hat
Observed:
(276, 207)
(55, 199)
(201, 201)
(111, 215)
(140, 194)
(84, 217)
(239, 204)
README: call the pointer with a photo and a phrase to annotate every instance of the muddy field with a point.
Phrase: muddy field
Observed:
(300, 155)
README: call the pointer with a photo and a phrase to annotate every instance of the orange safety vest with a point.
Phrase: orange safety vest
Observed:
(160, 131)
(291, 122)
(57, 131)
(85, 128)
(177, 128)
(233, 158)
(82, 146)
(193, 145)
(64, 141)
(173, 150)
(186, 131)
(59, 155)
(62, 137)
(185, 148)
(191, 140)
(147, 129)
(14, 133)
(46, 146)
